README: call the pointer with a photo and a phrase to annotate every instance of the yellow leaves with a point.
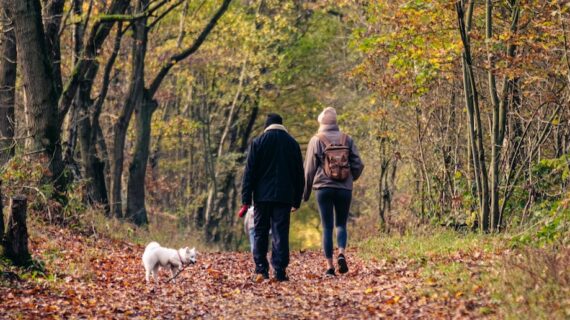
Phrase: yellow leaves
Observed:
(52, 308)
(393, 300)
(368, 291)
(432, 282)
(232, 293)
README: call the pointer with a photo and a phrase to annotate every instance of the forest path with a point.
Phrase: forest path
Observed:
(94, 277)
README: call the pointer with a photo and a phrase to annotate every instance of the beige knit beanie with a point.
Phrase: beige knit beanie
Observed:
(328, 116)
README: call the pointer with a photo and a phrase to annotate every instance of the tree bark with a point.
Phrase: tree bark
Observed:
(52, 14)
(473, 111)
(499, 111)
(1, 216)
(136, 211)
(7, 84)
(17, 233)
(41, 92)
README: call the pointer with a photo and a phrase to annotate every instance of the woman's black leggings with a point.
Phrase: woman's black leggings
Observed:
(334, 205)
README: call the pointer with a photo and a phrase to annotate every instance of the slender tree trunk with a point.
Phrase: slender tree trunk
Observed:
(425, 173)
(2, 228)
(496, 141)
(473, 111)
(7, 84)
(383, 193)
(72, 129)
(41, 92)
(499, 110)
(212, 193)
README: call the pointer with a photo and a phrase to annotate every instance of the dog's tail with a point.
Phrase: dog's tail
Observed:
(152, 245)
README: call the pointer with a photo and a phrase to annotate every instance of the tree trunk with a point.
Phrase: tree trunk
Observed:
(93, 166)
(496, 141)
(499, 110)
(473, 111)
(73, 123)
(382, 193)
(17, 233)
(41, 92)
(7, 85)
(52, 14)
(136, 211)
(1, 216)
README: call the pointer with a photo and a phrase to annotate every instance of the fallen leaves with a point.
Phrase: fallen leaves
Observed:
(105, 279)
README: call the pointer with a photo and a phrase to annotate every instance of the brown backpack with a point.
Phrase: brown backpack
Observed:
(336, 158)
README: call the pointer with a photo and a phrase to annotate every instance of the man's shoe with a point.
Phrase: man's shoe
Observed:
(262, 270)
(330, 272)
(281, 276)
(342, 266)
(260, 276)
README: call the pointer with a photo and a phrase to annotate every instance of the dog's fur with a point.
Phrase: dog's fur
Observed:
(155, 256)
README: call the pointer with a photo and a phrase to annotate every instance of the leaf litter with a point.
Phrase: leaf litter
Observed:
(104, 278)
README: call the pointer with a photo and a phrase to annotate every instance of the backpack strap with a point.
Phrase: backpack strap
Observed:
(324, 139)
(327, 142)
(343, 138)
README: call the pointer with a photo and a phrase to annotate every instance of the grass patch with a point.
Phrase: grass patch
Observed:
(419, 247)
(534, 283)
(162, 228)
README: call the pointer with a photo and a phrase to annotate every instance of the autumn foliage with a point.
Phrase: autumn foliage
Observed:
(92, 276)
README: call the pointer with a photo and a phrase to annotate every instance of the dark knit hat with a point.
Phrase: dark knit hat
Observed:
(273, 118)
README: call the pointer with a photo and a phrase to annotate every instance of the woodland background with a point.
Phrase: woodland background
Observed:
(132, 118)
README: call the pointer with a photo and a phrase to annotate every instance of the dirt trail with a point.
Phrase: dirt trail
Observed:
(105, 279)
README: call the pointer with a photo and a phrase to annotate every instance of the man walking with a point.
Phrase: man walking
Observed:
(274, 178)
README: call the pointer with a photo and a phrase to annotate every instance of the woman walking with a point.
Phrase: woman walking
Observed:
(332, 164)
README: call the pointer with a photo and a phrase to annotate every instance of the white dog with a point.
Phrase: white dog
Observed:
(155, 256)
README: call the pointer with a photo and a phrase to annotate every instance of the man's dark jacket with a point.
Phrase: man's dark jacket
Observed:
(274, 169)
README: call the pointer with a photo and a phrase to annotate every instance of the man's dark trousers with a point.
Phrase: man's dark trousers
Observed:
(276, 216)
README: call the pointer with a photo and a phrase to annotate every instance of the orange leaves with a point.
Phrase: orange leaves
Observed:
(105, 278)
(216, 274)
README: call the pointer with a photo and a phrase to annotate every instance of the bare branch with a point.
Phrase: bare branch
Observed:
(155, 84)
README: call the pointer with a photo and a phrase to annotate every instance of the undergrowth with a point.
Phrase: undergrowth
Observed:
(525, 276)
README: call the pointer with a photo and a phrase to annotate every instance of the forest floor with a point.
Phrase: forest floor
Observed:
(88, 276)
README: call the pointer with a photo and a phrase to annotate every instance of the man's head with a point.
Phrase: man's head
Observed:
(273, 118)
(328, 116)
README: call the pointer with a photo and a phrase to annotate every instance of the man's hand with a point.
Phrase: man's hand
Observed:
(243, 210)
(293, 209)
